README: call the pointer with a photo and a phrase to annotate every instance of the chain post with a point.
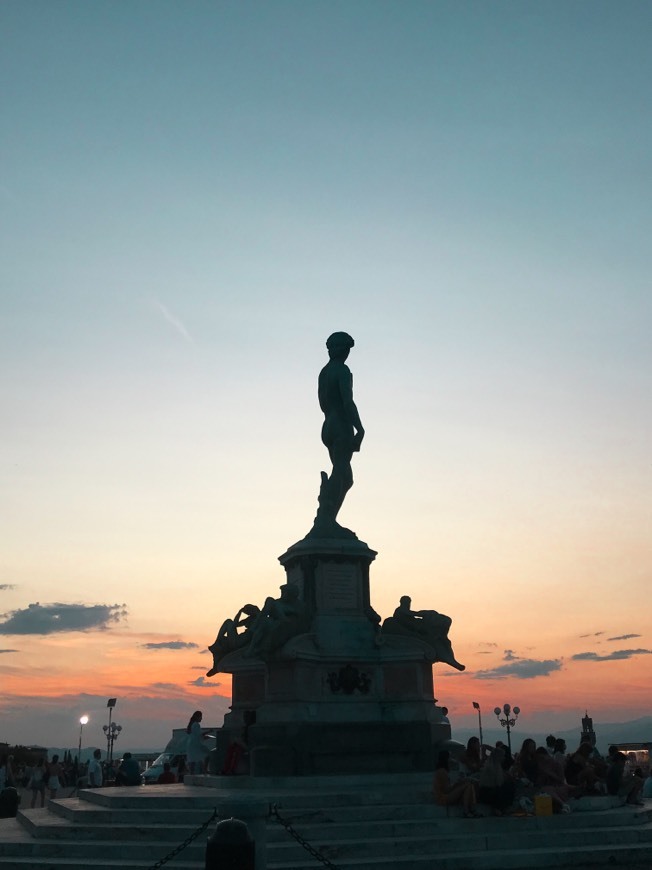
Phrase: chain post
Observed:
(301, 840)
(185, 843)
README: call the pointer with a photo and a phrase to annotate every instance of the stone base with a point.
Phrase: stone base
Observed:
(311, 715)
(340, 697)
(314, 748)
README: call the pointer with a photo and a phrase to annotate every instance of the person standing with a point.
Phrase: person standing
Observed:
(54, 775)
(37, 782)
(3, 772)
(196, 749)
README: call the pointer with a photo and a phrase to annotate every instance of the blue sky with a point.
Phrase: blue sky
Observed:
(195, 195)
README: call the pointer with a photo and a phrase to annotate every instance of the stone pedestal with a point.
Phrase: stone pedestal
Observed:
(341, 697)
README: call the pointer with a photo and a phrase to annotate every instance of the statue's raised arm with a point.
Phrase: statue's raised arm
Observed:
(342, 432)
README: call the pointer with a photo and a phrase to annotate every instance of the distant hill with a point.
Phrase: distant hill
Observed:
(636, 731)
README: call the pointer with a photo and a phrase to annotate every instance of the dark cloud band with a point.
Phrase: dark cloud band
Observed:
(616, 655)
(171, 644)
(54, 618)
(521, 669)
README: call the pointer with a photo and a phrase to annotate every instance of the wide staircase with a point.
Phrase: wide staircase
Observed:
(347, 823)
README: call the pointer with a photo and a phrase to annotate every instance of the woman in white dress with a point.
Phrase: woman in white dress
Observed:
(196, 749)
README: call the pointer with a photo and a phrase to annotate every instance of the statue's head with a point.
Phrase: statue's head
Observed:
(339, 344)
(405, 601)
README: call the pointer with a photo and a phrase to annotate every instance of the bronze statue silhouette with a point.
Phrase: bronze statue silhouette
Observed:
(426, 625)
(229, 638)
(278, 621)
(342, 433)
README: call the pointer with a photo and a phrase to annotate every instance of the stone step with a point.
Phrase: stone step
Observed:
(140, 807)
(106, 863)
(42, 825)
(639, 855)
(163, 796)
(345, 842)
(85, 813)
(399, 842)
(135, 828)
(492, 833)
(144, 854)
(433, 814)
(512, 859)
(81, 815)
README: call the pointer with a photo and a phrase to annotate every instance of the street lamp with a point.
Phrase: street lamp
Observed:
(476, 706)
(508, 720)
(83, 720)
(112, 733)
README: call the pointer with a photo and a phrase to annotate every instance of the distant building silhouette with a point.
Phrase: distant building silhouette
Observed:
(588, 734)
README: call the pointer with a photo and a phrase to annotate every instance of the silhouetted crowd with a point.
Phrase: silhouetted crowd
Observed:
(544, 779)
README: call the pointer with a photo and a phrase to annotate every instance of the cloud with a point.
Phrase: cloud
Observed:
(8, 650)
(593, 634)
(54, 618)
(616, 655)
(624, 637)
(488, 643)
(173, 321)
(170, 644)
(5, 586)
(522, 669)
(203, 683)
(510, 656)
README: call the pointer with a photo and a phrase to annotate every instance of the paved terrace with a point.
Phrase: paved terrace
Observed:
(356, 823)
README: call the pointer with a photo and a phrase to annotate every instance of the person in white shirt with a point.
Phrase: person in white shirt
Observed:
(95, 770)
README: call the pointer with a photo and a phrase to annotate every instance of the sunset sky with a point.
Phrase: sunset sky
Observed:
(195, 195)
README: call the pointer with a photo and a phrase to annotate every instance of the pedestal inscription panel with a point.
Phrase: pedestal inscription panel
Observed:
(339, 587)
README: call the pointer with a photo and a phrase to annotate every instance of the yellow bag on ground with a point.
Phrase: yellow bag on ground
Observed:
(542, 805)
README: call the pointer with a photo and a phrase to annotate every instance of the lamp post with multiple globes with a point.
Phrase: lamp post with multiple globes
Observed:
(507, 720)
(112, 732)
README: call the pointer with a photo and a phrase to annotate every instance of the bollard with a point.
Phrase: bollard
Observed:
(253, 812)
(231, 847)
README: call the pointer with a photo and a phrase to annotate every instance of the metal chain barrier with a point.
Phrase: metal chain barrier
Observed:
(185, 843)
(300, 840)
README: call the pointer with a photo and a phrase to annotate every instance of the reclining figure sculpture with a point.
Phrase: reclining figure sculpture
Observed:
(265, 631)
(426, 625)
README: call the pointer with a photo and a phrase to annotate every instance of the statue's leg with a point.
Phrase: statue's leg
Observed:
(226, 632)
(446, 655)
(341, 479)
